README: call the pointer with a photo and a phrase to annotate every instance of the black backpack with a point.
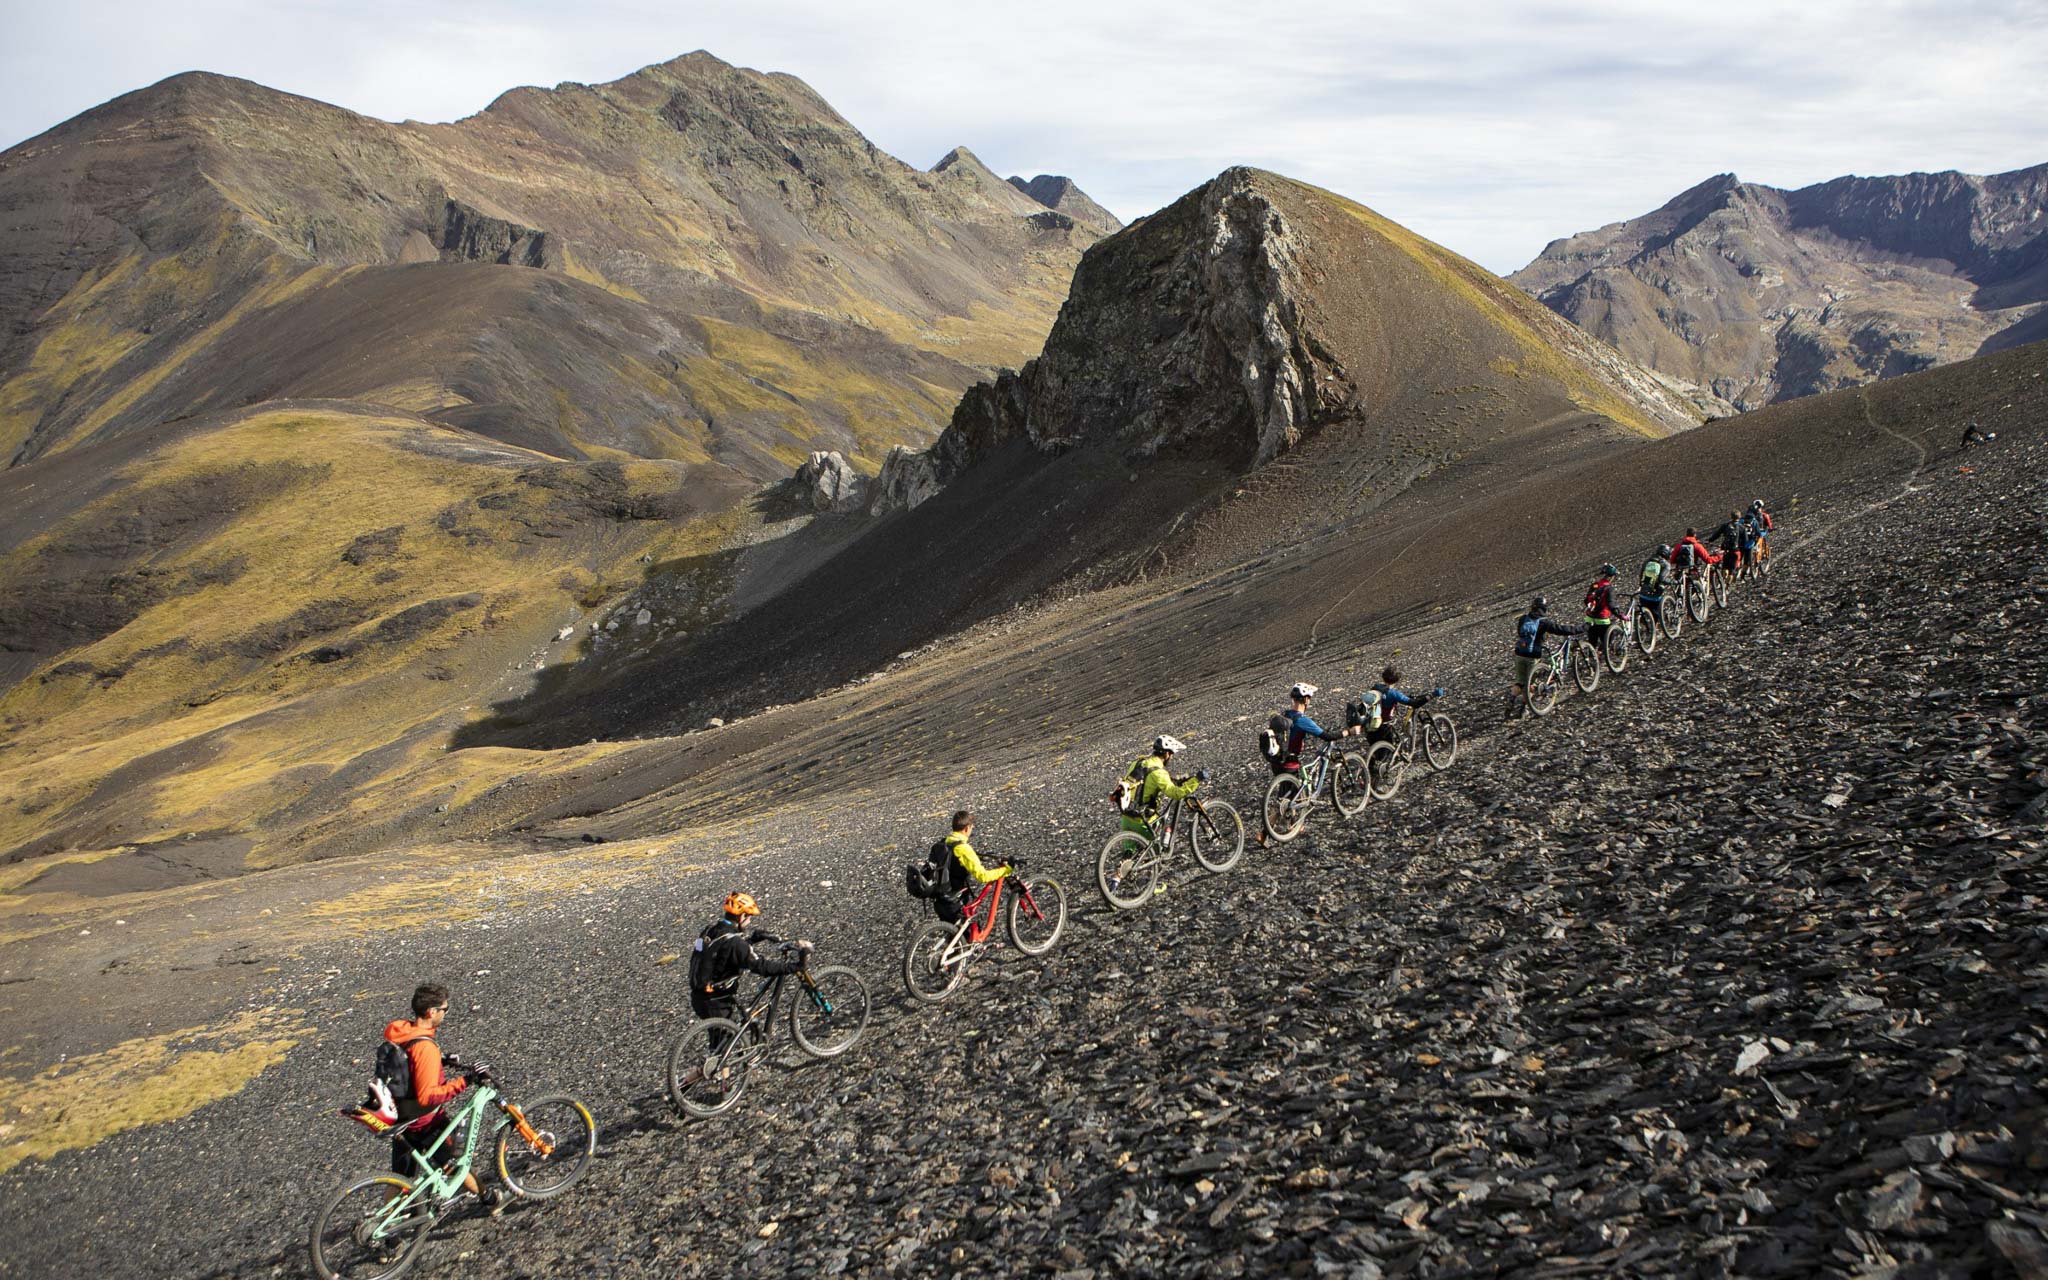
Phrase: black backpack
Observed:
(394, 1070)
(700, 999)
(927, 879)
(1273, 743)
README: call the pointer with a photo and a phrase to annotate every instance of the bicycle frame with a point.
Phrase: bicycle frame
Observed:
(435, 1186)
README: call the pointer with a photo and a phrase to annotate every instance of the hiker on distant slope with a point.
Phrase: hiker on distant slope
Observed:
(1974, 434)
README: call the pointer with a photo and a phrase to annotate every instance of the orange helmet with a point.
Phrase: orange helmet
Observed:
(741, 904)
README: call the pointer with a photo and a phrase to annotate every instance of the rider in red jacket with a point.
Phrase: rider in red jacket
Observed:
(1700, 555)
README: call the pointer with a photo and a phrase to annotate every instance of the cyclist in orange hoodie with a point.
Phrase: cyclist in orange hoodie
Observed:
(432, 1088)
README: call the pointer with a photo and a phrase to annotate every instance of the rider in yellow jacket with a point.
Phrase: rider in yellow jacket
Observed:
(1157, 786)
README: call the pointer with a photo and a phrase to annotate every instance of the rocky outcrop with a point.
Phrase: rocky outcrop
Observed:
(1060, 194)
(464, 234)
(827, 482)
(908, 477)
(1183, 332)
(1214, 328)
(1762, 294)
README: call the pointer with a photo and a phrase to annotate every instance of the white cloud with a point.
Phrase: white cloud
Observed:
(1489, 127)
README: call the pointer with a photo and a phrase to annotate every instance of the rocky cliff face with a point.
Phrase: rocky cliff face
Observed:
(1763, 294)
(1223, 326)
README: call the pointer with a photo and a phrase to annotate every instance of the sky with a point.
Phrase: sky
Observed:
(1491, 128)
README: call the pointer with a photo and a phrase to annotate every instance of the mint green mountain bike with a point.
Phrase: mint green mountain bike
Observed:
(372, 1228)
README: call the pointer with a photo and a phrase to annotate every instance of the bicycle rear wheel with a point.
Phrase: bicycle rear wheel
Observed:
(1698, 602)
(1350, 786)
(707, 1068)
(1440, 742)
(1036, 926)
(352, 1239)
(927, 975)
(1585, 668)
(1542, 688)
(567, 1143)
(1383, 771)
(828, 1015)
(1217, 836)
(1127, 870)
(1286, 808)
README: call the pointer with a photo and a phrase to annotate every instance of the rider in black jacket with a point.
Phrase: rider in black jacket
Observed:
(725, 954)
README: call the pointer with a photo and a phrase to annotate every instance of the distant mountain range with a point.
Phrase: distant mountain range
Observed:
(1761, 294)
(726, 272)
(314, 427)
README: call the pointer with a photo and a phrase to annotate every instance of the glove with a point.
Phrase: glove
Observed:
(453, 1062)
(805, 946)
(1201, 775)
(480, 1071)
(1438, 692)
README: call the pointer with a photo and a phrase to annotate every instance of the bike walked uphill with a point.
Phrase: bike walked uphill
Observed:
(965, 896)
(826, 1009)
(1157, 815)
(440, 1115)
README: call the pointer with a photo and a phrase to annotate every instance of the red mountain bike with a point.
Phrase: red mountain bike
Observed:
(937, 960)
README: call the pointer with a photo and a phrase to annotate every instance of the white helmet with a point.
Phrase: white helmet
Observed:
(1165, 742)
(1302, 690)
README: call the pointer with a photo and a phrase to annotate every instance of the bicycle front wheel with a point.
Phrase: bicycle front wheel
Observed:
(1286, 808)
(1673, 615)
(1585, 665)
(707, 1068)
(827, 1015)
(1720, 581)
(1763, 559)
(1646, 631)
(928, 973)
(1127, 870)
(1350, 788)
(1698, 602)
(1542, 689)
(358, 1236)
(1440, 742)
(1217, 836)
(1615, 645)
(1034, 926)
(562, 1145)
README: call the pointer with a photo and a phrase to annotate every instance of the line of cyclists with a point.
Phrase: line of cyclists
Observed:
(372, 1228)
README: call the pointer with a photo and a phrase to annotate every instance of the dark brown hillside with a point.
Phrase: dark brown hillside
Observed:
(1253, 317)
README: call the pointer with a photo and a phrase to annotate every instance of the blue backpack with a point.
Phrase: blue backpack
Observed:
(1529, 638)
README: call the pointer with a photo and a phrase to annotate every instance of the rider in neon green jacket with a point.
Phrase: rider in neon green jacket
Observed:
(1158, 786)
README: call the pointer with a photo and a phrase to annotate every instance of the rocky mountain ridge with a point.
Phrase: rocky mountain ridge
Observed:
(280, 382)
(1763, 294)
(757, 240)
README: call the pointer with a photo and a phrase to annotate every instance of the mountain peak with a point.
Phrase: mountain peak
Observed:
(1059, 192)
